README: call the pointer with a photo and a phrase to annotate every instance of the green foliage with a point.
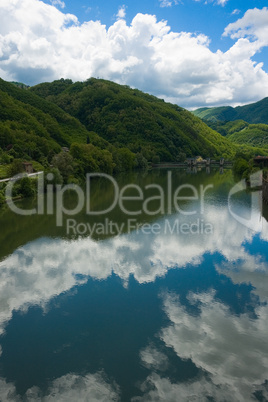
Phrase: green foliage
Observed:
(53, 177)
(27, 188)
(254, 113)
(34, 127)
(2, 198)
(214, 114)
(181, 157)
(241, 167)
(107, 127)
(5, 158)
(129, 118)
(253, 135)
(124, 159)
(64, 163)
(20, 85)
(89, 159)
(140, 161)
(3, 171)
(156, 159)
(15, 168)
(37, 167)
(227, 128)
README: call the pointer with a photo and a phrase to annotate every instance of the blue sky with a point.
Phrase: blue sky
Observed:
(189, 52)
(201, 16)
(188, 15)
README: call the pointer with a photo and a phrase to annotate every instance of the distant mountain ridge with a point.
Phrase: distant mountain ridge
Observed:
(253, 113)
(20, 85)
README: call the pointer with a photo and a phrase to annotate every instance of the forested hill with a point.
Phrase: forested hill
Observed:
(130, 118)
(242, 133)
(26, 117)
(253, 113)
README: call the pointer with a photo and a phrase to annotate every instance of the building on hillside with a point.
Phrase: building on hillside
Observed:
(28, 167)
(261, 160)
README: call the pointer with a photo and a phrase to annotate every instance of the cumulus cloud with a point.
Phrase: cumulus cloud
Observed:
(232, 349)
(252, 270)
(45, 268)
(253, 24)
(161, 389)
(91, 387)
(47, 44)
(121, 12)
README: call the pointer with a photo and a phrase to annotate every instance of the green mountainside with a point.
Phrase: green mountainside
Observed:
(34, 129)
(242, 133)
(253, 113)
(106, 127)
(214, 114)
(255, 135)
(34, 118)
(130, 118)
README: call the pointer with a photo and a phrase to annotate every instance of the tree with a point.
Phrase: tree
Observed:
(16, 167)
(181, 157)
(155, 159)
(52, 176)
(241, 167)
(124, 159)
(26, 188)
(141, 162)
(64, 162)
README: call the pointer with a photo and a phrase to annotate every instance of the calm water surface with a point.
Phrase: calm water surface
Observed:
(147, 315)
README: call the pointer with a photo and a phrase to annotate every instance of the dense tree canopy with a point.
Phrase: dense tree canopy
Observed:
(130, 118)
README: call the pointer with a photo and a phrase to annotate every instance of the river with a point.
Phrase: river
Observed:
(163, 301)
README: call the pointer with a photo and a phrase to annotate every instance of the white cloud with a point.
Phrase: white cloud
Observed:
(152, 358)
(161, 389)
(232, 349)
(222, 2)
(254, 24)
(47, 44)
(218, 2)
(68, 388)
(236, 12)
(168, 3)
(87, 9)
(121, 12)
(45, 268)
(59, 3)
(252, 270)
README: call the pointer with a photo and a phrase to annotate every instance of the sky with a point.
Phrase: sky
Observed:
(195, 53)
